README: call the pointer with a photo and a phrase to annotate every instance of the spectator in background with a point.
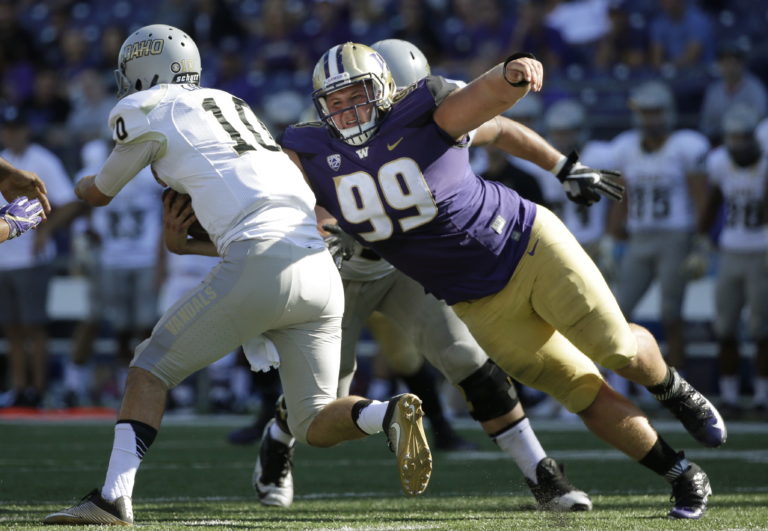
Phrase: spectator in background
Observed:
(18, 55)
(736, 85)
(327, 25)
(26, 266)
(477, 34)
(681, 36)
(532, 33)
(75, 54)
(231, 77)
(412, 21)
(624, 43)
(581, 23)
(47, 110)
(90, 108)
(213, 24)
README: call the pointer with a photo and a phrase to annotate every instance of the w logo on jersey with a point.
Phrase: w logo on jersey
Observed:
(334, 161)
(362, 152)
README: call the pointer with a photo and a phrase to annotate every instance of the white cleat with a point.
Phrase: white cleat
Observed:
(406, 438)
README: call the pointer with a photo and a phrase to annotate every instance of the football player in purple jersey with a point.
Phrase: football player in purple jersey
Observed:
(392, 167)
(410, 324)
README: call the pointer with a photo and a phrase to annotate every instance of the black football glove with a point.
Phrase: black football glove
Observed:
(340, 244)
(584, 185)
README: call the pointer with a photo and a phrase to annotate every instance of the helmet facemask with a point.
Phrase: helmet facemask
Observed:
(353, 65)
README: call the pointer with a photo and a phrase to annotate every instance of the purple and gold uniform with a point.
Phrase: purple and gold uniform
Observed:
(410, 195)
(514, 274)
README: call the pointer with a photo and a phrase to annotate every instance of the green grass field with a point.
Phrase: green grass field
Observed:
(192, 478)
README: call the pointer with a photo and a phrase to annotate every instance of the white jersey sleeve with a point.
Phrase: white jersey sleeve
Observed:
(129, 119)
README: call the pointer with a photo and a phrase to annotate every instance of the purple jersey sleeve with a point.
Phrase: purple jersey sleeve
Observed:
(409, 194)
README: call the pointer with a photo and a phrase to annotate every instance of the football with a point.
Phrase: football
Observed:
(195, 230)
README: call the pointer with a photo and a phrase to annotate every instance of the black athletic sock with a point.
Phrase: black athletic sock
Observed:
(666, 388)
(663, 460)
(145, 435)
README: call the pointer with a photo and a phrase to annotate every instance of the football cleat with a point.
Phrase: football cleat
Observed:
(690, 491)
(94, 510)
(696, 413)
(406, 438)
(554, 492)
(272, 476)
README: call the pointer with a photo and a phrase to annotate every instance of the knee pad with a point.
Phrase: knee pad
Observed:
(489, 392)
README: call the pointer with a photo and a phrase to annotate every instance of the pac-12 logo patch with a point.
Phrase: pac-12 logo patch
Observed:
(334, 161)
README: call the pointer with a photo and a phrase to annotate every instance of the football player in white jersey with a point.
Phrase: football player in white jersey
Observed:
(738, 177)
(430, 328)
(276, 286)
(662, 169)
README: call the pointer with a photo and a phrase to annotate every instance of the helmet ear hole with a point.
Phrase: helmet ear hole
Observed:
(137, 85)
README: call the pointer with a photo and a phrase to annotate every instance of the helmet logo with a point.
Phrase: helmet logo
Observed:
(143, 48)
(334, 161)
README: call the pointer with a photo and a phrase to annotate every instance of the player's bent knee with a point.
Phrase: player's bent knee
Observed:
(581, 392)
(621, 348)
(489, 392)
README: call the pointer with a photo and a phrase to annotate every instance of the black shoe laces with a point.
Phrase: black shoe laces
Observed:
(276, 461)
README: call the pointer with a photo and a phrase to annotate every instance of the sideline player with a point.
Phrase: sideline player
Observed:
(665, 187)
(393, 170)
(421, 324)
(275, 281)
(738, 176)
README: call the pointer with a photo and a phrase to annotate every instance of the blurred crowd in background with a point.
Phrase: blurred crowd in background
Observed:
(57, 87)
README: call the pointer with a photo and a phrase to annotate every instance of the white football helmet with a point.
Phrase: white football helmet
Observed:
(404, 59)
(566, 125)
(653, 106)
(345, 65)
(156, 54)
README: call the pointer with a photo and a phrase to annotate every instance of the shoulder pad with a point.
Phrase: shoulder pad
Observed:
(128, 120)
(440, 87)
(402, 93)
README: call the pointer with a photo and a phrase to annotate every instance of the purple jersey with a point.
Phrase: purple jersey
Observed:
(409, 194)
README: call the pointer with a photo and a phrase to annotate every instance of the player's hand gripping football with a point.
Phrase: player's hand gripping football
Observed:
(584, 185)
(340, 244)
(178, 218)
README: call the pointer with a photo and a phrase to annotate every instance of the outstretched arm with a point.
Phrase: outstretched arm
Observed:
(518, 140)
(488, 96)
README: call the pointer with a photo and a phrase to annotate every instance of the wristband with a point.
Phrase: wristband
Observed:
(511, 58)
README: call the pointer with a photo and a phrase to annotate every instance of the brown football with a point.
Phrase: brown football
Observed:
(195, 230)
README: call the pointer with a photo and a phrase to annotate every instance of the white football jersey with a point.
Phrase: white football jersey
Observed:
(131, 225)
(215, 149)
(587, 223)
(744, 192)
(657, 187)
